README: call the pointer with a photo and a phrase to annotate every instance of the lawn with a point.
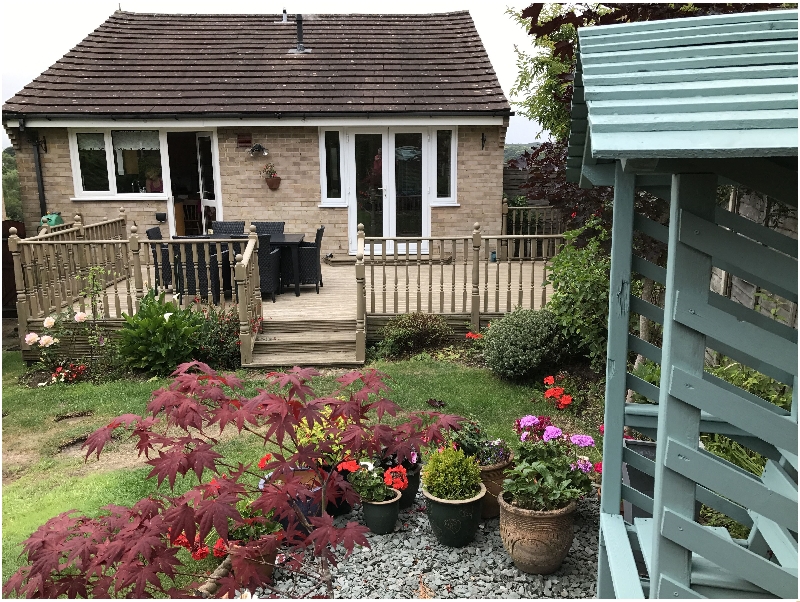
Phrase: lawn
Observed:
(44, 472)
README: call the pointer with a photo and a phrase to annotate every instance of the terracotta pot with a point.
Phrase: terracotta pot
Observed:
(381, 517)
(409, 494)
(492, 476)
(273, 183)
(537, 541)
(454, 522)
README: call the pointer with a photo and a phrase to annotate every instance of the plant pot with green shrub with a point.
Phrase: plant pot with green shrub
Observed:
(494, 458)
(451, 484)
(539, 497)
(379, 498)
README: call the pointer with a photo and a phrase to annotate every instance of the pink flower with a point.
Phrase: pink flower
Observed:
(31, 338)
(81, 316)
(602, 429)
(551, 432)
(46, 341)
(598, 467)
(49, 322)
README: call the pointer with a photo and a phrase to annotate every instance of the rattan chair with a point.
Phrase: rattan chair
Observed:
(163, 276)
(269, 259)
(269, 227)
(220, 228)
(185, 270)
(309, 260)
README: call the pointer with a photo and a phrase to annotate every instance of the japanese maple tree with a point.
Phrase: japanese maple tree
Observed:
(134, 551)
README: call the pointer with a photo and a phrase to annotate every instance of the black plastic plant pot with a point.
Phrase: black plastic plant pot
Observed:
(409, 494)
(339, 509)
(454, 522)
(381, 517)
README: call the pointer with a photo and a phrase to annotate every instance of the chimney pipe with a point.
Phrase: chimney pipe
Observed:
(299, 20)
(285, 19)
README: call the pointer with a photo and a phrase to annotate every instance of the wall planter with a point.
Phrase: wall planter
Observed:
(273, 183)
(492, 477)
(454, 522)
(409, 494)
(537, 541)
(381, 517)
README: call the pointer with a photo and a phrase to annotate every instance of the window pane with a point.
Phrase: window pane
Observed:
(334, 180)
(369, 183)
(137, 161)
(92, 158)
(408, 183)
(443, 142)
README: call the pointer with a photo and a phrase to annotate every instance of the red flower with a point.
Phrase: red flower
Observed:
(598, 467)
(396, 477)
(220, 548)
(549, 380)
(349, 465)
(574, 214)
(182, 541)
(554, 392)
(474, 335)
(199, 552)
(564, 401)
(602, 429)
(262, 463)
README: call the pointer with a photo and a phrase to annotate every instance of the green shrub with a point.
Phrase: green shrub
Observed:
(159, 336)
(450, 475)
(519, 343)
(649, 371)
(218, 340)
(413, 333)
(580, 280)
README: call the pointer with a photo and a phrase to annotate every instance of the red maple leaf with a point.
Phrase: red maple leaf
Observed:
(181, 519)
(215, 512)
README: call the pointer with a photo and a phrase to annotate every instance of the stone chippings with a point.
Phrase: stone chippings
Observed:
(391, 567)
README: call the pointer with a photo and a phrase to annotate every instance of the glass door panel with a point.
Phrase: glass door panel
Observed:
(369, 182)
(408, 184)
(206, 172)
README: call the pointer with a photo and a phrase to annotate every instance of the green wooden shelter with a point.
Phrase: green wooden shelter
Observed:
(677, 108)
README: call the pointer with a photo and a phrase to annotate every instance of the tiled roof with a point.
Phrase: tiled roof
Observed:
(147, 64)
(702, 87)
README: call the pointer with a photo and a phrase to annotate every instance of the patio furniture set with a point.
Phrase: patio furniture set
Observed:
(283, 259)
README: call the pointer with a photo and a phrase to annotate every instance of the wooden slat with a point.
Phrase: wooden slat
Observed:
(637, 498)
(765, 346)
(741, 256)
(757, 232)
(783, 51)
(779, 539)
(648, 310)
(644, 348)
(741, 562)
(652, 392)
(672, 588)
(745, 314)
(649, 270)
(742, 357)
(764, 420)
(687, 122)
(622, 565)
(730, 481)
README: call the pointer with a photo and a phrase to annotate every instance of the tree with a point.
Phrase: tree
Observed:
(11, 197)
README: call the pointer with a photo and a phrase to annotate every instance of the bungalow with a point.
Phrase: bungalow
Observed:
(175, 116)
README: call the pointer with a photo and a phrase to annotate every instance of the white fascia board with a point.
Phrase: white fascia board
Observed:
(206, 123)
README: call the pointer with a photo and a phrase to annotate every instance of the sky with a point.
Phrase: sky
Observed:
(39, 32)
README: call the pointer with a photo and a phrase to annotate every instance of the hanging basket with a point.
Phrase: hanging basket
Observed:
(273, 183)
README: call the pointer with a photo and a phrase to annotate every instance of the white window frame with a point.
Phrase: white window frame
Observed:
(452, 200)
(112, 194)
(323, 169)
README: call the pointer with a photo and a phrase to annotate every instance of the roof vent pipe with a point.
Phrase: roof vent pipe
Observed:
(299, 20)
(285, 19)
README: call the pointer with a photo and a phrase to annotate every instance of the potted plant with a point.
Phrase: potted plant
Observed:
(379, 491)
(451, 483)
(271, 176)
(413, 467)
(494, 458)
(538, 501)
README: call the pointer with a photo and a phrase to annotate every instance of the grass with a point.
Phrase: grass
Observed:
(41, 480)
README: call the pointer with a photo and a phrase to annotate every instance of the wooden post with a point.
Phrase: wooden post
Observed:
(23, 312)
(475, 321)
(503, 232)
(256, 271)
(121, 229)
(137, 264)
(79, 225)
(361, 299)
(245, 344)
(616, 364)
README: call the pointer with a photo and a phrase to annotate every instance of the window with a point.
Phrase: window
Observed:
(92, 161)
(443, 163)
(332, 167)
(137, 161)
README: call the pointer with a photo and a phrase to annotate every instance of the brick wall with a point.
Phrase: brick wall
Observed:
(295, 153)
(479, 184)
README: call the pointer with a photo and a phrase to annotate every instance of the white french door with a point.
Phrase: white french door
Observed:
(209, 205)
(386, 171)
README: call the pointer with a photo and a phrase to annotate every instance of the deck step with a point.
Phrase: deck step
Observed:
(311, 359)
(306, 343)
(308, 326)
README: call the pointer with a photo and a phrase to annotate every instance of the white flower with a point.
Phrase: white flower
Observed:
(31, 338)
(49, 322)
(166, 316)
(81, 316)
(46, 341)
(42, 384)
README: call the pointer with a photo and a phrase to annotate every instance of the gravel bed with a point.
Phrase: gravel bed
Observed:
(394, 565)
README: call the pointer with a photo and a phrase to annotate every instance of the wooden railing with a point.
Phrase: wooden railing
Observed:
(545, 221)
(54, 273)
(461, 276)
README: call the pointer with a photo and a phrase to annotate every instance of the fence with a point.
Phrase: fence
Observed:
(531, 220)
(464, 278)
(55, 272)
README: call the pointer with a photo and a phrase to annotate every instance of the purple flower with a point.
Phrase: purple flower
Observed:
(528, 421)
(582, 440)
(584, 465)
(551, 432)
(524, 436)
